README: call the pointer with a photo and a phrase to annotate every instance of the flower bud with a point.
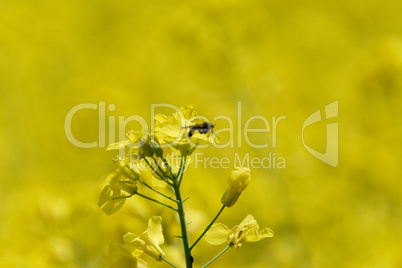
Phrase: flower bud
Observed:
(238, 182)
(156, 148)
(145, 148)
(185, 147)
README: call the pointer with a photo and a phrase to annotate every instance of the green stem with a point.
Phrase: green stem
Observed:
(122, 197)
(159, 167)
(168, 262)
(156, 201)
(168, 166)
(156, 191)
(209, 226)
(182, 167)
(217, 256)
(183, 224)
(163, 178)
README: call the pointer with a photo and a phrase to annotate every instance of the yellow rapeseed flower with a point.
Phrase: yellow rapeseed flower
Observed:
(149, 241)
(171, 130)
(248, 230)
(118, 186)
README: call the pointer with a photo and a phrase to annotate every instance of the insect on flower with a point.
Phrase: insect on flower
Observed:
(203, 128)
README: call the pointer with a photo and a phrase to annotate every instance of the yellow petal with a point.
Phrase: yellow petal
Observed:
(107, 204)
(134, 243)
(112, 177)
(267, 232)
(248, 221)
(127, 238)
(154, 230)
(255, 235)
(188, 111)
(134, 250)
(167, 128)
(138, 243)
(239, 178)
(134, 136)
(117, 145)
(120, 257)
(142, 264)
(104, 196)
(128, 188)
(217, 234)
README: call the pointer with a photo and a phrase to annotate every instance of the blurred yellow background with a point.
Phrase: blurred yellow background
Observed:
(278, 58)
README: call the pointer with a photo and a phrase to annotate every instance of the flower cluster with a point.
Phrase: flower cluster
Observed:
(145, 152)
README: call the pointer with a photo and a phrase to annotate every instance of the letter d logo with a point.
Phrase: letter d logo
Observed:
(330, 156)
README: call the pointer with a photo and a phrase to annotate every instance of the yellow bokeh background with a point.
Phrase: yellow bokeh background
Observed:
(276, 58)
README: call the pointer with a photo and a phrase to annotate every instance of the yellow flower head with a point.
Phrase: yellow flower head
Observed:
(238, 182)
(173, 130)
(149, 241)
(248, 230)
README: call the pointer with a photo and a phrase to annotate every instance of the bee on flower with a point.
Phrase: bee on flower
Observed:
(184, 130)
